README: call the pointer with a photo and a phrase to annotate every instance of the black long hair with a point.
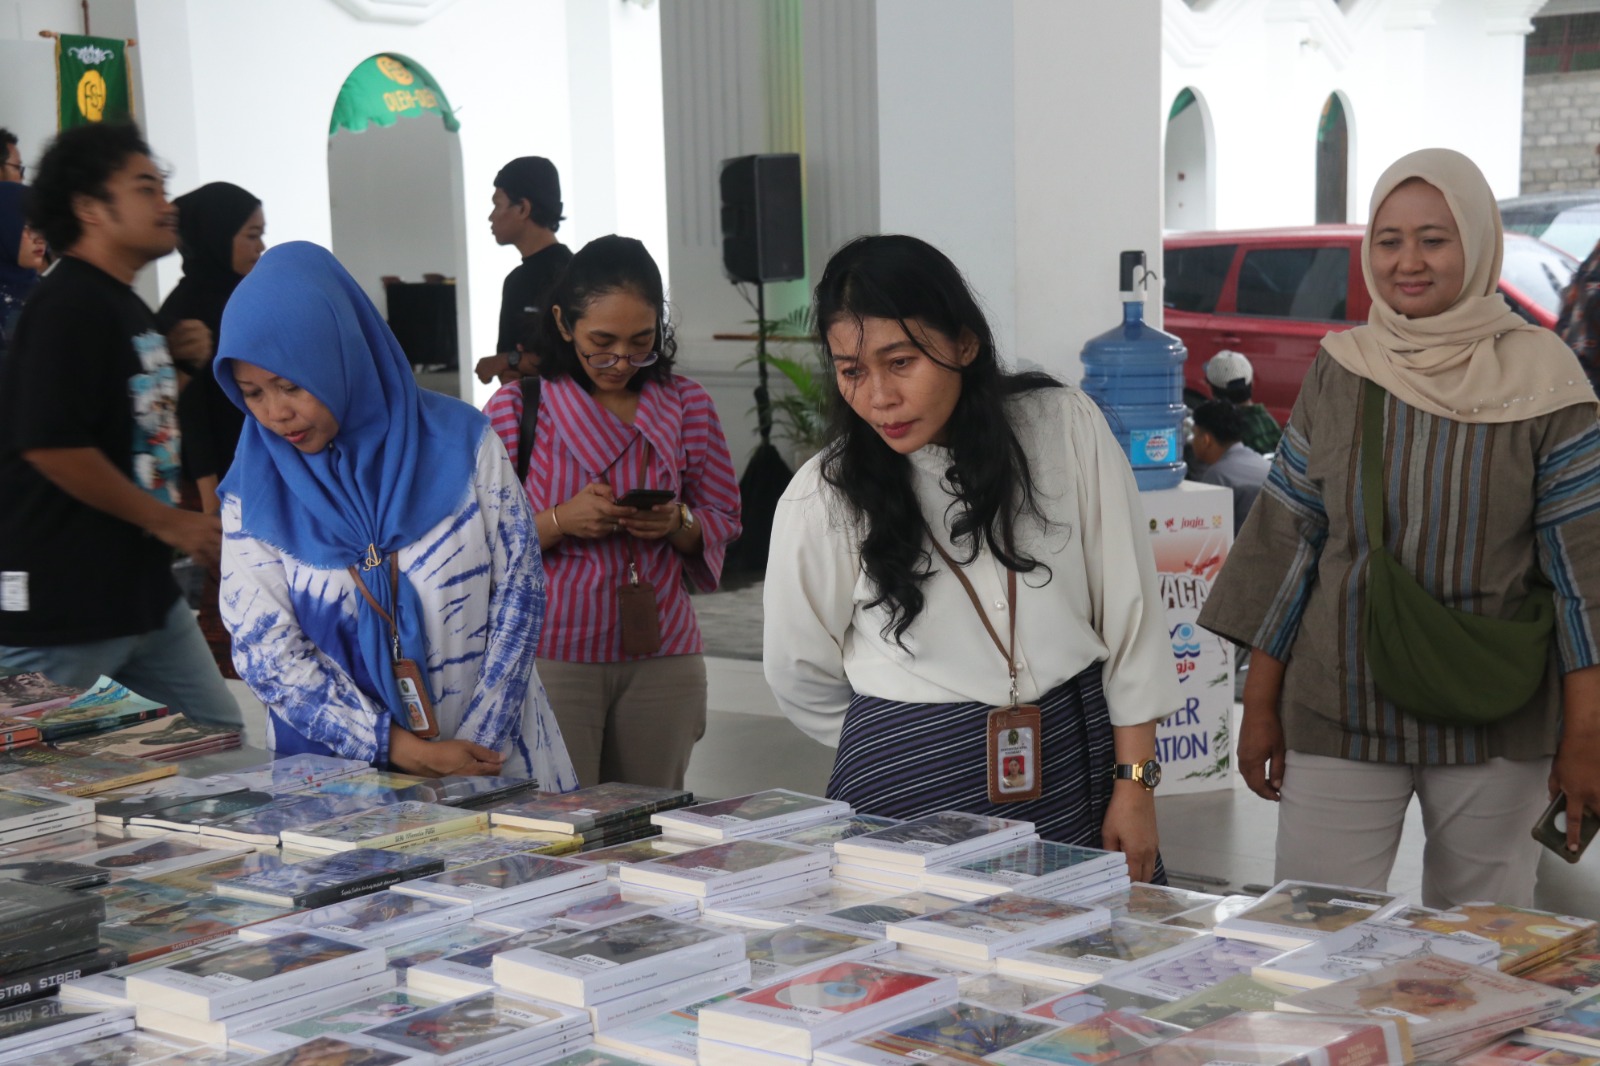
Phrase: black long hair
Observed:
(904, 279)
(603, 266)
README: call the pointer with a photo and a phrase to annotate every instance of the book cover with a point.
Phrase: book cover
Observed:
(370, 780)
(505, 880)
(79, 775)
(202, 880)
(1005, 993)
(774, 953)
(194, 815)
(629, 941)
(1028, 866)
(591, 906)
(1521, 1051)
(294, 773)
(1263, 1038)
(718, 867)
(325, 879)
(1439, 997)
(110, 987)
(448, 941)
(263, 824)
(267, 1012)
(23, 808)
(482, 845)
(996, 923)
(332, 1051)
(214, 986)
(1578, 1022)
(394, 1005)
(1575, 974)
(155, 855)
(671, 1036)
(827, 834)
(934, 838)
(26, 908)
(52, 1020)
(1368, 946)
(480, 1025)
(1194, 967)
(1298, 912)
(380, 919)
(1523, 934)
(33, 693)
(18, 733)
(383, 826)
(188, 920)
(588, 809)
(1154, 903)
(53, 872)
(119, 808)
(1207, 916)
(454, 790)
(105, 706)
(1099, 1038)
(1091, 955)
(122, 1049)
(757, 813)
(1084, 1004)
(963, 1032)
(800, 905)
(616, 856)
(47, 978)
(1225, 998)
(161, 738)
(467, 971)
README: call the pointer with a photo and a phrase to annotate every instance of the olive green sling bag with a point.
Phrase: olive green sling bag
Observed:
(1433, 661)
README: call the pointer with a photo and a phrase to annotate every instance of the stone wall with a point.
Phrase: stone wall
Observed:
(1561, 132)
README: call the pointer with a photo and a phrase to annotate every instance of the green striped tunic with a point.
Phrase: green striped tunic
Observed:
(1475, 511)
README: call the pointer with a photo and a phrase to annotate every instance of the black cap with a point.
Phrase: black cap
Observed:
(533, 178)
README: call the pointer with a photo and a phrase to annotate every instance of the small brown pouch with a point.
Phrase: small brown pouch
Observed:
(1013, 754)
(641, 621)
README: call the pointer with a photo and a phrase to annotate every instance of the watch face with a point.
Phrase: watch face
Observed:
(1151, 774)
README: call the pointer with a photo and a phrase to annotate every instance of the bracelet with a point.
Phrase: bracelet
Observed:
(557, 520)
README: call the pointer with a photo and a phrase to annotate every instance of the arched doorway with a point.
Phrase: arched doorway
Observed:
(398, 211)
(1190, 196)
(1333, 161)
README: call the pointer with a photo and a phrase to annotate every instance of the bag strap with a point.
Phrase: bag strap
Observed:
(1372, 463)
(983, 616)
(394, 597)
(528, 426)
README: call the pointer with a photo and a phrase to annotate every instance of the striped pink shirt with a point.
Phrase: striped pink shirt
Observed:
(576, 441)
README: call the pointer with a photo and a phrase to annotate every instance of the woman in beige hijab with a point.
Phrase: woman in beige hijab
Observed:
(1381, 600)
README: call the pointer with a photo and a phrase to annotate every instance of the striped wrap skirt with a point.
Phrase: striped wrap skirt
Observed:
(903, 760)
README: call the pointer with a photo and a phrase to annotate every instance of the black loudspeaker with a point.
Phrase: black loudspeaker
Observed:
(763, 231)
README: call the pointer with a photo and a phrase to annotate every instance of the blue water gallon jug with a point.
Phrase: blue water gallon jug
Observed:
(1135, 374)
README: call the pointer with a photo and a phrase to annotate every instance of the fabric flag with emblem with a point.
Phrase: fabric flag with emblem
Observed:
(92, 80)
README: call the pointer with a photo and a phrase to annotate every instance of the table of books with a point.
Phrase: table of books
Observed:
(313, 910)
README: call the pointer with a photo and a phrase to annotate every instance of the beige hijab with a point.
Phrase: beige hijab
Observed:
(1476, 361)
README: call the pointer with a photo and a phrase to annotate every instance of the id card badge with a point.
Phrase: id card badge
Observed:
(1014, 754)
(414, 699)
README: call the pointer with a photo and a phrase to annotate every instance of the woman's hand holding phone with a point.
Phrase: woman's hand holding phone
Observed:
(592, 513)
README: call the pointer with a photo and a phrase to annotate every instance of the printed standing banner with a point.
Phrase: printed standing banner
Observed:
(1191, 530)
(92, 80)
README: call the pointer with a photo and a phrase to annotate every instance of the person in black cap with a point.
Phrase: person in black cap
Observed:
(527, 213)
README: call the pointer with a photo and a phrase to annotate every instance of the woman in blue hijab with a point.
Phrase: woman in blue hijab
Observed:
(368, 523)
(21, 257)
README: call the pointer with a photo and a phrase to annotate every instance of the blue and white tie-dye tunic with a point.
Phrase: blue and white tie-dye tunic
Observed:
(482, 586)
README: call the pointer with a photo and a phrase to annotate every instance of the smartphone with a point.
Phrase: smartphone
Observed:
(1551, 829)
(644, 499)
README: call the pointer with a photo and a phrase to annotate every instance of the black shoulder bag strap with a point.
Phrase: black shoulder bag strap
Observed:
(528, 425)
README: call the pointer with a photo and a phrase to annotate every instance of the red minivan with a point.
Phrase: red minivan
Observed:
(1273, 294)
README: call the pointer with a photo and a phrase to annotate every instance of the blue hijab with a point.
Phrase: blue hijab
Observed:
(401, 463)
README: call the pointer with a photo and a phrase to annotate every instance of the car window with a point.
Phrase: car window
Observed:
(1537, 271)
(1574, 230)
(1195, 276)
(1310, 283)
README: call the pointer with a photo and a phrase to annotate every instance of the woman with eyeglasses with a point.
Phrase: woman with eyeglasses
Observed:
(635, 496)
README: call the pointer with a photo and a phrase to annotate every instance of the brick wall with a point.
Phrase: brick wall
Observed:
(1560, 132)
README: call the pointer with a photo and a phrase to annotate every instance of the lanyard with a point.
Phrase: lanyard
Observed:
(983, 616)
(394, 597)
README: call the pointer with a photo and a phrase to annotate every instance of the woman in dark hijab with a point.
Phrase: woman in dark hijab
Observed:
(21, 257)
(220, 229)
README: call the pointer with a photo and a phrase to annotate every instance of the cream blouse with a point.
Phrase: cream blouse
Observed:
(1097, 602)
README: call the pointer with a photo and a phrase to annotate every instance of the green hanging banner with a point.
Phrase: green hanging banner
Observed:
(385, 88)
(92, 80)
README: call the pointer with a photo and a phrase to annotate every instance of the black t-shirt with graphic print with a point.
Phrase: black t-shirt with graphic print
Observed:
(87, 369)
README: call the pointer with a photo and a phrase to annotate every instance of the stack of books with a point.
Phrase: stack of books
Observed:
(107, 705)
(319, 881)
(600, 816)
(760, 814)
(1097, 1037)
(875, 916)
(1528, 938)
(961, 1032)
(671, 1037)
(827, 834)
(45, 1025)
(150, 856)
(76, 775)
(776, 954)
(1191, 968)
(30, 694)
(1523, 1050)
(47, 935)
(797, 905)
(381, 919)
(28, 814)
(792, 1020)
(1037, 867)
(1450, 1006)
(985, 928)
(627, 970)
(339, 1021)
(1576, 1027)
(503, 882)
(1295, 913)
(486, 1029)
(899, 857)
(1368, 946)
(17, 733)
(722, 874)
(249, 986)
(163, 740)
(1276, 1039)
(1095, 954)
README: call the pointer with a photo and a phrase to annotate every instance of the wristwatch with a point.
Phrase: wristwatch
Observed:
(685, 517)
(514, 359)
(1147, 773)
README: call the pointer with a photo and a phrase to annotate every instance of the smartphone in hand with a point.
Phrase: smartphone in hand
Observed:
(644, 499)
(1551, 829)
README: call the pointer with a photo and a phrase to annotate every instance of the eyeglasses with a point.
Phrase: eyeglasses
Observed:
(607, 360)
(20, 168)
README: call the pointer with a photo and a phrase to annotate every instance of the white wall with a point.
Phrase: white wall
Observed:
(1187, 170)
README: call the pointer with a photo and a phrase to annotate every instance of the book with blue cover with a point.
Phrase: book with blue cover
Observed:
(107, 705)
(261, 826)
(324, 879)
(381, 827)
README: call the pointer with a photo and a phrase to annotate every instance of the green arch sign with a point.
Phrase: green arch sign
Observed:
(384, 89)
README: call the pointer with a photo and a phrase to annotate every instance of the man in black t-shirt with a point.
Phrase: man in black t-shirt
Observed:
(527, 213)
(89, 445)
